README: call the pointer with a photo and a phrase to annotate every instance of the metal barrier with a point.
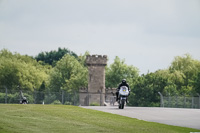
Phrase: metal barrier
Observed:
(40, 97)
(179, 101)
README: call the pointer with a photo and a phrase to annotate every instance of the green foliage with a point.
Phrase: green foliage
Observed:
(82, 59)
(40, 94)
(118, 71)
(94, 104)
(49, 98)
(197, 83)
(15, 98)
(68, 74)
(18, 70)
(68, 103)
(182, 78)
(53, 56)
(2, 97)
(145, 91)
(189, 69)
(56, 102)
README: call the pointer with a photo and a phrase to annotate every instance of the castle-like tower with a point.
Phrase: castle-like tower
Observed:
(96, 78)
(95, 93)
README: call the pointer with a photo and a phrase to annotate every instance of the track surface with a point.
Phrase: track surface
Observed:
(171, 116)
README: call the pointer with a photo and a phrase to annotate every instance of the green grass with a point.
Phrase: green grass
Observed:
(63, 118)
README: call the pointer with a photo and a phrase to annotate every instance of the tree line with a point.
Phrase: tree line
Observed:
(63, 70)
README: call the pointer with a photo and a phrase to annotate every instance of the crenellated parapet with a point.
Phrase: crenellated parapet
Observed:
(96, 60)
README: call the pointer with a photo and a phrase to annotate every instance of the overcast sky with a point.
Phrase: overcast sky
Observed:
(148, 34)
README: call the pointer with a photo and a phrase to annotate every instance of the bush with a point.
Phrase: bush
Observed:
(49, 98)
(13, 98)
(56, 102)
(68, 103)
(94, 104)
(2, 97)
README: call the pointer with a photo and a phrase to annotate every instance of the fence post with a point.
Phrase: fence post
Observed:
(192, 101)
(169, 102)
(6, 95)
(35, 96)
(161, 100)
(176, 101)
(199, 99)
(101, 98)
(169, 99)
(88, 98)
(184, 101)
(62, 96)
(74, 98)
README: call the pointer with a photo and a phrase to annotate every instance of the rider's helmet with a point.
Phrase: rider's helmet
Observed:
(123, 81)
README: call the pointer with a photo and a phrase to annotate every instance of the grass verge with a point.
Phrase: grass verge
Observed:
(72, 119)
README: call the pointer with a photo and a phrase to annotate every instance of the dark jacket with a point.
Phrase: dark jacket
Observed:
(123, 84)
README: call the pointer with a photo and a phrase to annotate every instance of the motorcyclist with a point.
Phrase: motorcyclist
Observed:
(24, 101)
(123, 83)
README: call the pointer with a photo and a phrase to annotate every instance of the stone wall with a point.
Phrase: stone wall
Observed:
(86, 98)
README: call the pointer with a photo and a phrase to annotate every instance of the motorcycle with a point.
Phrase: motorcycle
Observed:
(24, 101)
(123, 94)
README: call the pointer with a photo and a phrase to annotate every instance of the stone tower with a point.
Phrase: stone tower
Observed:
(96, 78)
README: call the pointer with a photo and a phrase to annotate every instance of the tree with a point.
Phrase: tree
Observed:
(82, 59)
(188, 68)
(19, 70)
(197, 83)
(53, 56)
(68, 74)
(118, 71)
(146, 88)
(40, 94)
(182, 78)
(9, 73)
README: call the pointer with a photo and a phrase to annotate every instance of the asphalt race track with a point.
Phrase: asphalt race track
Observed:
(171, 116)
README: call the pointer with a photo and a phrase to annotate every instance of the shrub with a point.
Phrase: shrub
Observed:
(49, 98)
(68, 103)
(94, 104)
(56, 102)
(2, 97)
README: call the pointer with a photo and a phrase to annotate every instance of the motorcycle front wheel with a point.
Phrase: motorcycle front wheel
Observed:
(121, 104)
